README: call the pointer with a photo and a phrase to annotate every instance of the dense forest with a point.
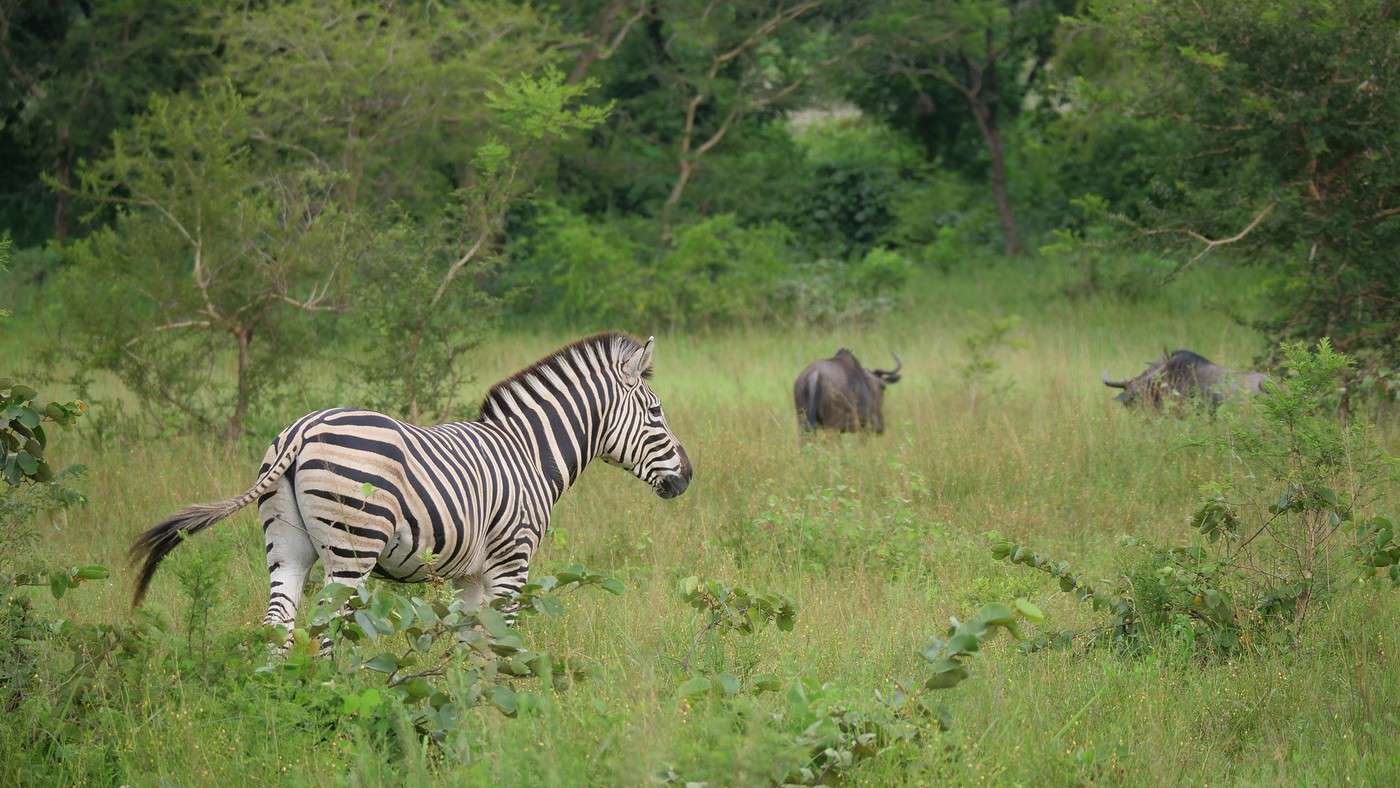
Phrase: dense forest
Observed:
(217, 216)
(184, 180)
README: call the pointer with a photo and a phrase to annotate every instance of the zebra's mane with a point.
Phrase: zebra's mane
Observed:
(613, 344)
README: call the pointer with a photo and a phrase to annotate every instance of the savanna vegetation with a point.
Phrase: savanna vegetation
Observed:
(215, 217)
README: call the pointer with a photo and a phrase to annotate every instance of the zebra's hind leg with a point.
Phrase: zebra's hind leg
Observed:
(290, 556)
(471, 592)
(506, 586)
(348, 561)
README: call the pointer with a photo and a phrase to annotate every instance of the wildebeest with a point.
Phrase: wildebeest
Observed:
(1183, 374)
(839, 394)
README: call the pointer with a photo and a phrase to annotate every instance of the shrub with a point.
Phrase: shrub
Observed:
(580, 270)
(722, 272)
(1304, 479)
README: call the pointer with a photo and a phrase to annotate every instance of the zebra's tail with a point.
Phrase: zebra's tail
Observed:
(154, 545)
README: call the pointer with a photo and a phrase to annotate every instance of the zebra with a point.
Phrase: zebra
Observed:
(466, 501)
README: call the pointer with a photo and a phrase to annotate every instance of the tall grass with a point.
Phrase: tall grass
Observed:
(1054, 462)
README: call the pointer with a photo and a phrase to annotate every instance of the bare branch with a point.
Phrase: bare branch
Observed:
(603, 52)
(766, 29)
(1208, 243)
(179, 403)
(171, 326)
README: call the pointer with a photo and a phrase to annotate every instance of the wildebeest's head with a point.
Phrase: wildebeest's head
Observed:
(840, 394)
(1183, 374)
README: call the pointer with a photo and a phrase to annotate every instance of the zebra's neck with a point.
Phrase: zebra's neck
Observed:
(558, 420)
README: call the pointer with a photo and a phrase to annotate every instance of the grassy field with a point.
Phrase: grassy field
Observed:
(878, 539)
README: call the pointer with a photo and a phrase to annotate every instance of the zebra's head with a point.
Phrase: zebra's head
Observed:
(636, 436)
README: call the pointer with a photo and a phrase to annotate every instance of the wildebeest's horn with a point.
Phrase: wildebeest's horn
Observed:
(891, 375)
(1117, 384)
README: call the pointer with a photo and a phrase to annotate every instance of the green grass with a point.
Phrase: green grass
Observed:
(1052, 462)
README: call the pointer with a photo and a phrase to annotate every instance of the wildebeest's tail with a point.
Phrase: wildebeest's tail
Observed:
(811, 403)
(154, 545)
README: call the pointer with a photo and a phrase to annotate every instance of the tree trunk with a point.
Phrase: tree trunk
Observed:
(234, 428)
(687, 169)
(987, 124)
(65, 181)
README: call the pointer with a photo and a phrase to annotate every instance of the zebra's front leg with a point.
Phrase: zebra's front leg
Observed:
(508, 568)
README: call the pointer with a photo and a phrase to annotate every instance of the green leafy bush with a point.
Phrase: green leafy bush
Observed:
(1303, 480)
(721, 272)
(824, 737)
(580, 270)
(730, 611)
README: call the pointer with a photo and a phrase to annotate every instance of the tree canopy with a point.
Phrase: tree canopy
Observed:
(241, 177)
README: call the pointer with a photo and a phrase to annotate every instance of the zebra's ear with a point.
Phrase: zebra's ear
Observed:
(636, 366)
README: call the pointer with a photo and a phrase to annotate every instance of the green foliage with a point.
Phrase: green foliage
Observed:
(582, 271)
(1287, 117)
(982, 365)
(822, 737)
(423, 296)
(400, 99)
(22, 436)
(1121, 610)
(730, 611)
(212, 263)
(30, 488)
(426, 661)
(1302, 476)
(31, 485)
(858, 172)
(75, 72)
(737, 609)
(719, 272)
(828, 739)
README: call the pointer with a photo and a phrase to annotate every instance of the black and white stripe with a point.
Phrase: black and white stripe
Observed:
(366, 493)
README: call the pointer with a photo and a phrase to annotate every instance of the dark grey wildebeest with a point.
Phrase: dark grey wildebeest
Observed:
(839, 394)
(1182, 375)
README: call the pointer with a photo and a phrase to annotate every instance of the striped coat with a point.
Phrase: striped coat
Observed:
(368, 494)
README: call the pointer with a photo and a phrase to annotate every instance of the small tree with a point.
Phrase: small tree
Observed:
(216, 259)
(423, 300)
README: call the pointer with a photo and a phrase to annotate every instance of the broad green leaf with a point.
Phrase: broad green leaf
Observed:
(728, 683)
(384, 663)
(1029, 610)
(504, 699)
(698, 685)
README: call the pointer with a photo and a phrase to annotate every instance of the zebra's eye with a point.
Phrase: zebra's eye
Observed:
(655, 411)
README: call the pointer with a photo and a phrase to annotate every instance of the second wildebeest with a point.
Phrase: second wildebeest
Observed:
(837, 393)
(1182, 375)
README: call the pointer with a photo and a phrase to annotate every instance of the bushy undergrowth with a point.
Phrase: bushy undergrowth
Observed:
(1293, 523)
(716, 272)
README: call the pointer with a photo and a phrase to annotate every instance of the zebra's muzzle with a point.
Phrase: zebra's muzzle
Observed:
(672, 485)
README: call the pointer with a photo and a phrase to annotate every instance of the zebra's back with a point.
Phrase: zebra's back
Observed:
(443, 500)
